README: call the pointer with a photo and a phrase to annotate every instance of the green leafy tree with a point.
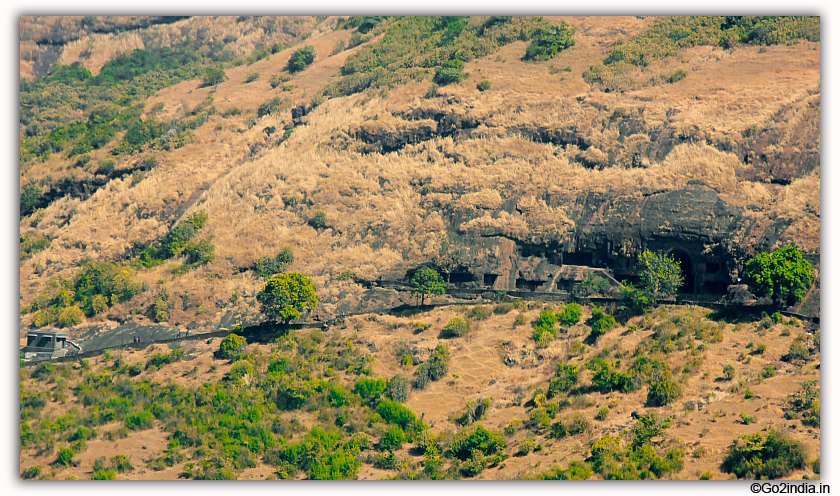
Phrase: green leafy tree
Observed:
(474, 440)
(301, 59)
(70, 316)
(214, 76)
(427, 282)
(285, 296)
(783, 274)
(231, 346)
(450, 72)
(549, 42)
(660, 276)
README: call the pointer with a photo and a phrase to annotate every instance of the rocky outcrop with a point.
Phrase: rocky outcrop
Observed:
(604, 232)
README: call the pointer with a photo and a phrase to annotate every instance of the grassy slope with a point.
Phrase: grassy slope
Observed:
(477, 371)
(377, 216)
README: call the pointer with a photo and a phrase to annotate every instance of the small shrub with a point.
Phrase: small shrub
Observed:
(140, 421)
(106, 167)
(476, 440)
(252, 76)
(135, 369)
(104, 474)
(746, 419)
(570, 315)
(121, 463)
(43, 371)
(749, 395)
(600, 322)
(71, 316)
(576, 424)
(475, 410)
(566, 379)
(479, 312)
(729, 372)
(677, 75)
(706, 476)
(407, 361)
(393, 439)
(602, 413)
(397, 388)
(798, 351)
(527, 446)
(520, 320)
(268, 266)
(591, 284)
(33, 243)
(231, 346)
(484, 85)
(503, 308)
(370, 390)
(768, 371)
(65, 457)
(319, 221)
(433, 369)
(241, 369)
(663, 392)
(35, 471)
(457, 327)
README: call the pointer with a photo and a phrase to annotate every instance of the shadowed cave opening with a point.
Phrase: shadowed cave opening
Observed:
(688, 271)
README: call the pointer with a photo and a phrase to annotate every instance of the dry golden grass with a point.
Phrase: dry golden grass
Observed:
(378, 219)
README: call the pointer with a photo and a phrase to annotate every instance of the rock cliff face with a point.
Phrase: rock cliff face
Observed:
(606, 233)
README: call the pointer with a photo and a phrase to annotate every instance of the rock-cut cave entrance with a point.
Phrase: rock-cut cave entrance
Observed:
(684, 260)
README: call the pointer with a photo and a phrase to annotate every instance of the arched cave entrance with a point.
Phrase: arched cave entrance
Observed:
(684, 260)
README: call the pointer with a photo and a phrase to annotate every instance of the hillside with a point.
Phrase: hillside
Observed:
(515, 155)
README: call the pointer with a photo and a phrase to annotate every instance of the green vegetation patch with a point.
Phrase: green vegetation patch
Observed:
(548, 42)
(32, 243)
(91, 290)
(415, 46)
(667, 36)
(764, 456)
(784, 274)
